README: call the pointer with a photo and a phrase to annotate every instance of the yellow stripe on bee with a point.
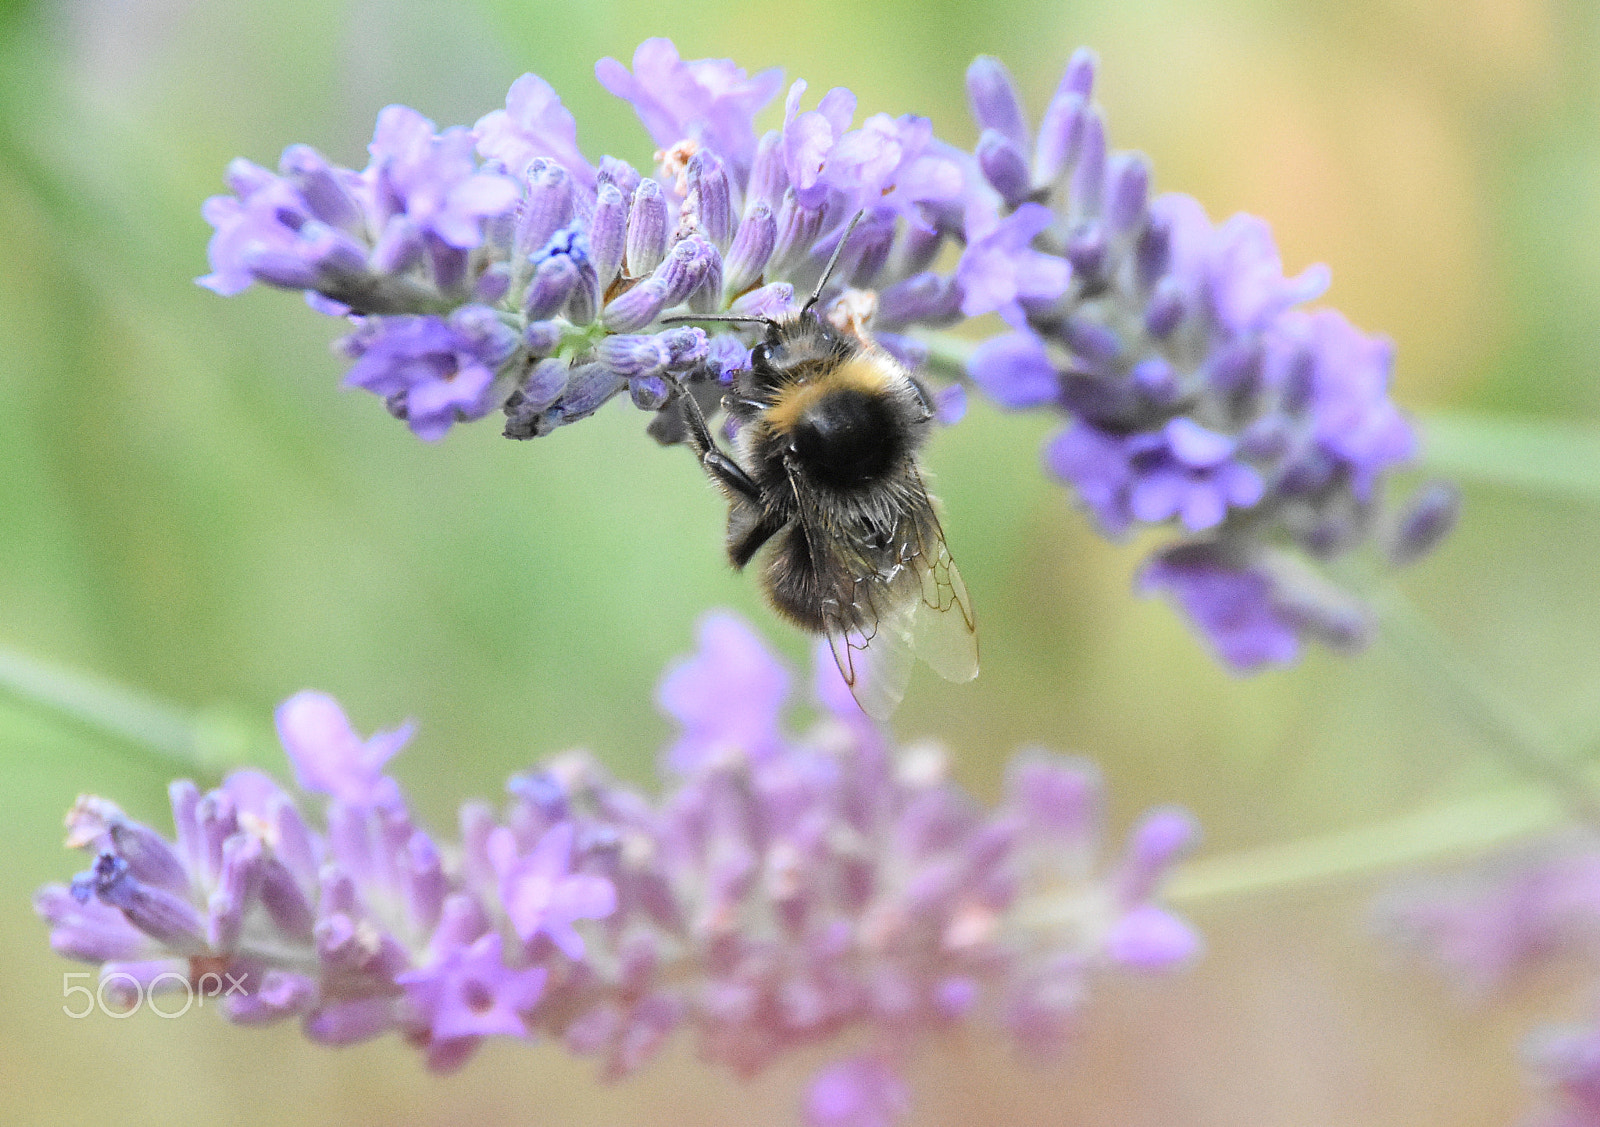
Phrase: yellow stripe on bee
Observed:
(870, 372)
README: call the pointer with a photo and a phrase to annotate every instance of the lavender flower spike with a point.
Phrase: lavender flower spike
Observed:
(468, 261)
(789, 889)
(1196, 393)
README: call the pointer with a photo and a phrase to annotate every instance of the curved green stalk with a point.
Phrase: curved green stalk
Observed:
(187, 740)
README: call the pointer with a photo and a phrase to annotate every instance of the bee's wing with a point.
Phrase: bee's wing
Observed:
(875, 659)
(944, 634)
(880, 612)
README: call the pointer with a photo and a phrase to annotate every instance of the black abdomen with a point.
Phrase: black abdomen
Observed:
(847, 439)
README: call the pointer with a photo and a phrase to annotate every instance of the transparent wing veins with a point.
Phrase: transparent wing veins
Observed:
(880, 616)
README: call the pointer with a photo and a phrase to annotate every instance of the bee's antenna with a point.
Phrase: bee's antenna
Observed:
(737, 320)
(834, 261)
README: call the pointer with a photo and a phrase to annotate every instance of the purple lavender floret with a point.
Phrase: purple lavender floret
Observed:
(1198, 394)
(492, 267)
(789, 889)
(711, 102)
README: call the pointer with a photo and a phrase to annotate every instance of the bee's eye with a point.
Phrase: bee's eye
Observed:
(761, 356)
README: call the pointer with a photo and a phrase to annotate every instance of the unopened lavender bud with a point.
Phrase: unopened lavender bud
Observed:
(1338, 622)
(149, 857)
(218, 820)
(541, 338)
(1090, 341)
(632, 356)
(245, 177)
(1079, 76)
(684, 270)
(492, 338)
(950, 405)
(1058, 799)
(447, 265)
(1151, 938)
(1308, 474)
(235, 892)
(994, 100)
(1297, 381)
(751, 249)
(608, 233)
(1127, 205)
(1060, 138)
(1086, 250)
(649, 393)
(337, 894)
(492, 284)
(425, 882)
(710, 198)
(84, 928)
(400, 247)
(1267, 438)
(592, 1031)
(867, 251)
(526, 407)
(552, 284)
(1153, 252)
(283, 269)
(1004, 166)
(1089, 173)
(588, 388)
(619, 173)
(281, 994)
(346, 1023)
(910, 351)
(798, 227)
(90, 820)
(1428, 518)
(707, 296)
(1156, 380)
(170, 920)
(546, 209)
(542, 793)
(1166, 309)
(285, 901)
(647, 229)
(768, 176)
(326, 195)
(774, 301)
(584, 303)
(184, 798)
(638, 307)
(685, 346)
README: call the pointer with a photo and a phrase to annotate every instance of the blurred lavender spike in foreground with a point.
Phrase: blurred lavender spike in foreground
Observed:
(498, 268)
(786, 890)
(1490, 925)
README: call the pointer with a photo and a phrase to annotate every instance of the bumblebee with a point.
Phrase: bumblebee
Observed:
(825, 478)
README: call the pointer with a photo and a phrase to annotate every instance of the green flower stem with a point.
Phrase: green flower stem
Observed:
(1558, 787)
(187, 740)
(1518, 736)
(1453, 831)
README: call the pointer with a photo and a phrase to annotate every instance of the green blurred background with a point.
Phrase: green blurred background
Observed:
(192, 508)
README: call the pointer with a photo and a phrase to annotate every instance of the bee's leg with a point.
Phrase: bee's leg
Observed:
(723, 469)
(749, 527)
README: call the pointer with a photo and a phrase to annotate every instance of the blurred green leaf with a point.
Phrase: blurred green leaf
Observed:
(1556, 458)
